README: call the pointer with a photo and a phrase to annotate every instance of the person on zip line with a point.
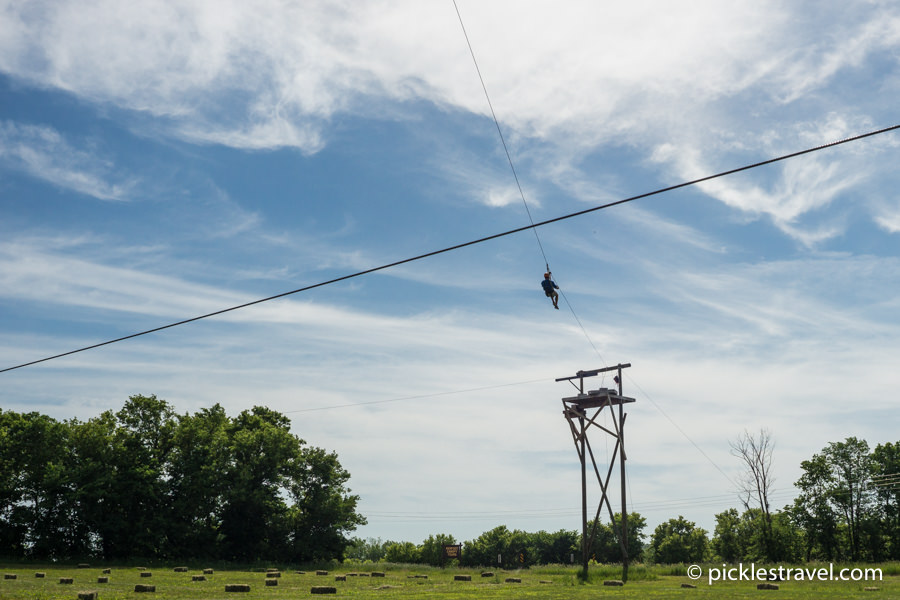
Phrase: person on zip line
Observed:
(550, 288)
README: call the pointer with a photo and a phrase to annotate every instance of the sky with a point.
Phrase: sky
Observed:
(165, 160)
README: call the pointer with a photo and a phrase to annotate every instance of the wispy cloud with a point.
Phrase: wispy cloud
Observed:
(43, 153)
(287, 69)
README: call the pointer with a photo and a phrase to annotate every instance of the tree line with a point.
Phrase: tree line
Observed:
(506, 548)
(848, 509)
(145, 482)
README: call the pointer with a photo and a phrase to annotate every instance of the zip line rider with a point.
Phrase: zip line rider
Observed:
(550, 288)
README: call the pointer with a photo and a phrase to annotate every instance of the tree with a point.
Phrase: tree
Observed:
(369, 549)
(142, 441)
(678, 541)
(262, 457)
(852, 469)
(813, 511)
(199, 459)
(886, 481)
(554, 548)
(512, 548)
(836, 500)
(143, 482)
(323, 510)
(729, 541)
(402, 553)
(431, 552)
(37, 502)
(94, 468)
(606, 548)
(756, 482)
(787, 538)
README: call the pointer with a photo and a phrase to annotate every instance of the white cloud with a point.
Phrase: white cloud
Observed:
(575, 70)
(578, 75)
(43, 153)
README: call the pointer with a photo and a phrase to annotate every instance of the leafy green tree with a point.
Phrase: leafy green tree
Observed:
(369, 549)
(606, 548)
(323, 510)
(851, 466)
(402, 553)
(93, 472)
(143, 482)
(729, 542)
(36, 518)
(554, 548)
(143, 441)
(836, 504)
(431, 551)
(813, 511)
(786, 543)
(262, 453)
(886, 481)
(200, 456)
(678, 541)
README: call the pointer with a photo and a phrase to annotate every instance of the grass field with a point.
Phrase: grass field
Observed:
(406, 582)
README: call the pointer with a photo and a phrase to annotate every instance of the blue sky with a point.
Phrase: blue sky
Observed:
(160, 161)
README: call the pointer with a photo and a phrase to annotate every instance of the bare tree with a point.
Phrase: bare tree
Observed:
(755, 485)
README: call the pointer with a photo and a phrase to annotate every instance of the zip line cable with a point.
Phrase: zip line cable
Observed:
(516, 176)
(463, 245)
(681, 431)
(500, 133)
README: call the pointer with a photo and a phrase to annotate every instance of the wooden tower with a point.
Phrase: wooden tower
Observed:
(582, 413)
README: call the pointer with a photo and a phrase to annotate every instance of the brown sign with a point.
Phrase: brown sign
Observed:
(452, 551)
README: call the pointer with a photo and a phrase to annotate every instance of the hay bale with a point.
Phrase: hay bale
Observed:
(273, 573)
(340, 578)
(545, 581)
(462, 578)
(66, 580)
(146, 574)
(180, 569)
(300, 572)
(513, 580)
(198, 577)
(144, 588)
(871, 589)
(107, 571)
(237, 587)
(40, 575)
(321, 572)
(377, 574)
(352, 575)
(767, 586)
(614, 582)
(323, 589)
(487, 574)
(689, 586)
(207, 571)
(87, 595)
(9, 576)
(364, 575)
(84, 566)
(271, 582)
(103, 580)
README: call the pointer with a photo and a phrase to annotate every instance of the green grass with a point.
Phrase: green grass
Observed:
(400, 581)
